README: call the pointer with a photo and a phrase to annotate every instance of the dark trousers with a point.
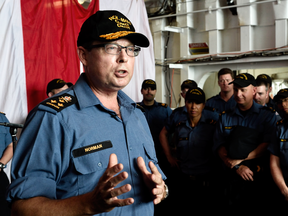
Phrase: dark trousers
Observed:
(4, 182)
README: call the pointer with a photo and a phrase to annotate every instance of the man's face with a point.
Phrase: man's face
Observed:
(283, 105)
(106, 72)
(56, 91)
(224, 81)
(183, 92)
(194, 108)
(244, 95)
(148, 94)
(261, 95)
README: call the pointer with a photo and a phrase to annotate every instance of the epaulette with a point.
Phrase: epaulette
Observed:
(180, 123)
(60, 102)
(269, 108)
(210, 108)
(140, 107)
(211, 121)
(225, 111)
(163, 105)
(2, 113)
(280, 122)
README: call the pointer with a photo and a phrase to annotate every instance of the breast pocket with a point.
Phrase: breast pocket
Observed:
(91, 162)
(150, 154)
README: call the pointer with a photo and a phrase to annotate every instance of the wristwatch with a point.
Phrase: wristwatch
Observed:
(2, 166)
(167, 191)
(236, 167)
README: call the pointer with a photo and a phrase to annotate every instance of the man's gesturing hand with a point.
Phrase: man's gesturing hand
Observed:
(104, 196)
(152, 180)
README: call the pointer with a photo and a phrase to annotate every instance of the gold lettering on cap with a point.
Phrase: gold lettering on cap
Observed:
(196, 91)
(121, 22)
(242, 76)
(149, 82)
(95, 147)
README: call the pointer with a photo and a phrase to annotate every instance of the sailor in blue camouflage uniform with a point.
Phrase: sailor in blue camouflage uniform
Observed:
(241, 141)
(89, 150)
(6, 153)
(225, 99)
(279, 155)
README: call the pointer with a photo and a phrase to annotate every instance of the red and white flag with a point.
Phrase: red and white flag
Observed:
(38, 44)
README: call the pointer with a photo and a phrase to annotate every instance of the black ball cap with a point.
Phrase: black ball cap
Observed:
(107, 26)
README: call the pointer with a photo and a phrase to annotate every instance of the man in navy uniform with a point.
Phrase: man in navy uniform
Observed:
(241, 141)
(225, 99)
(89, 150)
(279, 155)
(155, 113)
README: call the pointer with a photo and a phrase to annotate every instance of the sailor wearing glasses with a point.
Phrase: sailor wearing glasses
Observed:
(89, 150)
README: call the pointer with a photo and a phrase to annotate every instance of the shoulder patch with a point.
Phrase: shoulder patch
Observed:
(163, 104)
(181, 123)
(211, 121)
(226, 111)
(140, 107)
(280, 122)
(60, 102)
(269, 108)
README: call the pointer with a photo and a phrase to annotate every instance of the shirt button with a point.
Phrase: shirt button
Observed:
(99, 164)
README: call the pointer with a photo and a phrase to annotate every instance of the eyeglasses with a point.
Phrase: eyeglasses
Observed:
(115, 49)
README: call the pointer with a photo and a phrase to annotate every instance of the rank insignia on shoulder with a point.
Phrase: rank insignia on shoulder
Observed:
(182, 138)
(140, 107)
(211, 121)
(164, 105)
(283, 140)
(269, 108)
(2, 113)
(280, 122)
(60, 102)
(210, 108)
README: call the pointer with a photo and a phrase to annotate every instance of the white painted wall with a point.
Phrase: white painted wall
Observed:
(259, 25)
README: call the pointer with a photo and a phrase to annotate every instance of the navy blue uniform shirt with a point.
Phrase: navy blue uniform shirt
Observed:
(156, 116)
(194, 146)
(259, 117)
(221, 105)
(279, 146)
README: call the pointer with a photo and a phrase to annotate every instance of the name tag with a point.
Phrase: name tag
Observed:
(228, 127)
(92, 148)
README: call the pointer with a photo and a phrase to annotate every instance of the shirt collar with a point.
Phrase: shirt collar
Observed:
(86, 97)
(255, 108)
